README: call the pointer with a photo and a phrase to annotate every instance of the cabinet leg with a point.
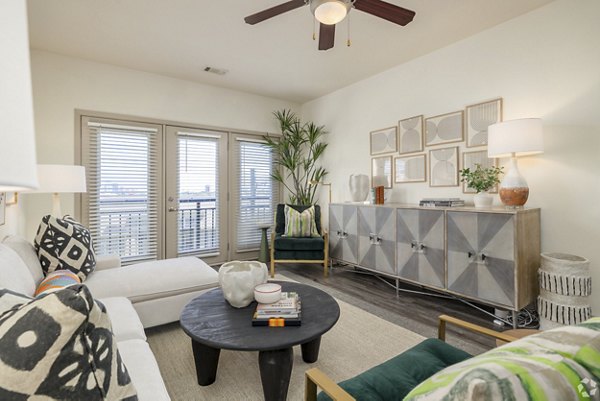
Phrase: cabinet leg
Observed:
(515, 315)
(397, 288)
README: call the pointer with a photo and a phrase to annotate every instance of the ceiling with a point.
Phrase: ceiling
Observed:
(275, 58)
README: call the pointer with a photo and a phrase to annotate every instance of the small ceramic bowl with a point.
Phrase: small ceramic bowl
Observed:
(267, 293)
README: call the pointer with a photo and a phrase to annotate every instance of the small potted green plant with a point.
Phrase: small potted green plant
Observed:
(481, 179)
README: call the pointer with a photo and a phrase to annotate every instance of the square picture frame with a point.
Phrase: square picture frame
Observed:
(470, 159)
(443, 167)
(445, 128)
(410, 135)
(410, 169)
(12, 198)
(381, 171)
(384, 141)
(478, 117)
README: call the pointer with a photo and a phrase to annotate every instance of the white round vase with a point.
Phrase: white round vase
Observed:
(359, 187)
(483, 199)
(238, 279)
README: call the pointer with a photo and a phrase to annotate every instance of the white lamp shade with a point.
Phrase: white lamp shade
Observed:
(56, 178)
(522, 137)
(17, 138)
(329, 12)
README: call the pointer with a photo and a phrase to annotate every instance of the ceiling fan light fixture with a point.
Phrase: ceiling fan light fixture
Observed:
(330, 12)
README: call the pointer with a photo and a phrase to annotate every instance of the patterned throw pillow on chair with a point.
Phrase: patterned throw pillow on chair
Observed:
(300, 224)
(60, 346)
(65, 244)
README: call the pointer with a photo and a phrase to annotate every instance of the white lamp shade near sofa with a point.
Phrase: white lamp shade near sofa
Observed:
(522, 137)
(17, 138)
(58, 178)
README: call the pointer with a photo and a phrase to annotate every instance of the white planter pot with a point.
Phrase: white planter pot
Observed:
(238, 279)
(483, 199)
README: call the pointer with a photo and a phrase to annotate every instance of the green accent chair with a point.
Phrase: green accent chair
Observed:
(395, 378)
(298, 250)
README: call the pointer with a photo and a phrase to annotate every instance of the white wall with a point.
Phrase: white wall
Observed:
(62, 84)
(544, 64)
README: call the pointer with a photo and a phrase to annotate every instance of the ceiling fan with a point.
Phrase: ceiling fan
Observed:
(330, 12)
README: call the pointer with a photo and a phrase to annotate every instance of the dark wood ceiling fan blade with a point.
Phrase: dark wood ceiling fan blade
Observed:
(387, 11)
(274, 11)
(326, 37)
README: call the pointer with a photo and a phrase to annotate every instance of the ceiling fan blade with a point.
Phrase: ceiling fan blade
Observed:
(326, 37)
(387, 11)
(274, 11)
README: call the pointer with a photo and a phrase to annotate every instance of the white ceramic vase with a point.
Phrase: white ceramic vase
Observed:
(238, 279)
(483, 199)
(359, 187)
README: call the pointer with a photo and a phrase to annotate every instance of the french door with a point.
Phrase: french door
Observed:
(158, 190)
(196, 194)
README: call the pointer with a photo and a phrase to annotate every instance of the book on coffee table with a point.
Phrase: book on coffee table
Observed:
(285, 312)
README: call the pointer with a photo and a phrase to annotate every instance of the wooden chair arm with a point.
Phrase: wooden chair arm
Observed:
(315, 378)
(472, 327)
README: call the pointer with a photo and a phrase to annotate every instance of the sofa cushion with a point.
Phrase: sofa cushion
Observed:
(393, 379)
(299, 244)
(65, 244)
(280, 216)
(126, 324)
(57, 280)
(143, 370)
(27, 253)
(300, 224)
(14, 274)
(152, 280)
(299, 255)
(545, 366)
(59, 347)
(10, 300)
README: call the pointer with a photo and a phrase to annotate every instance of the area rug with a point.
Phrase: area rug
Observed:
(356, 343)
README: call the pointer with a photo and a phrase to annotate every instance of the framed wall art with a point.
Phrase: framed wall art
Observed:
(2, 208)
(445, 128)
(11, 198)
(410, 135)
(479, 117)
(470, 159)
(443, 167)
(384, 141)
(381, 171)
(410, 169)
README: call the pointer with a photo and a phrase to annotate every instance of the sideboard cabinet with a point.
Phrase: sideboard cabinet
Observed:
(487, 255)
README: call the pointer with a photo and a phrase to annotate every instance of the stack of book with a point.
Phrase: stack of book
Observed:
(285, 312)
(442, 202)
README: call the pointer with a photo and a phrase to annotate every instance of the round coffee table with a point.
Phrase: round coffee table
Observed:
(214, 325)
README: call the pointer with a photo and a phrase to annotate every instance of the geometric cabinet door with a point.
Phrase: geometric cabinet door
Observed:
(481, 256)
(420, 246)
(343, 233)
(377, 238)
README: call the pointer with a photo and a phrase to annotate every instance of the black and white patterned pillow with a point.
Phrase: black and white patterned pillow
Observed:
(60, 346)
(10, 300)
(65, 244)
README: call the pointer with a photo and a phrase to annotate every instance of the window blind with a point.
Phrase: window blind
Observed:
(122, 162)
(255, 192)
(198, 190)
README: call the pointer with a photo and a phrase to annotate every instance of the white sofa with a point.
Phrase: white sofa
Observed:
(136, 296)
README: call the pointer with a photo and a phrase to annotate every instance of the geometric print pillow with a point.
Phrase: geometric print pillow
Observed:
(554, 365)
(65, 244)
(60, 346)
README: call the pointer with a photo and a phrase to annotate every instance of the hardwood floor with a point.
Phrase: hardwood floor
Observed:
(418, 313)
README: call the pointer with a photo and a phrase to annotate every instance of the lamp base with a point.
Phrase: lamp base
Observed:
(514, 198)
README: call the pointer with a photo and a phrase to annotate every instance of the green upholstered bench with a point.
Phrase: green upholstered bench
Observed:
(395, 378)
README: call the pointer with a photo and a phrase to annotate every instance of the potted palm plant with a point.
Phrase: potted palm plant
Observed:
(481, 179)
(297, 152)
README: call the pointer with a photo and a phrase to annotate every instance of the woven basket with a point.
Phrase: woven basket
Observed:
(565, 288)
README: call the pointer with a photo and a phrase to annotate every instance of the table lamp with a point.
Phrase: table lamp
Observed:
(57, 179)
(515, 138)
(17, 139)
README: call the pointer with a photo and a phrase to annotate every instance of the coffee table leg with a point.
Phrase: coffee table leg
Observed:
(207, 360)
(275, 371)
(310, 350)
